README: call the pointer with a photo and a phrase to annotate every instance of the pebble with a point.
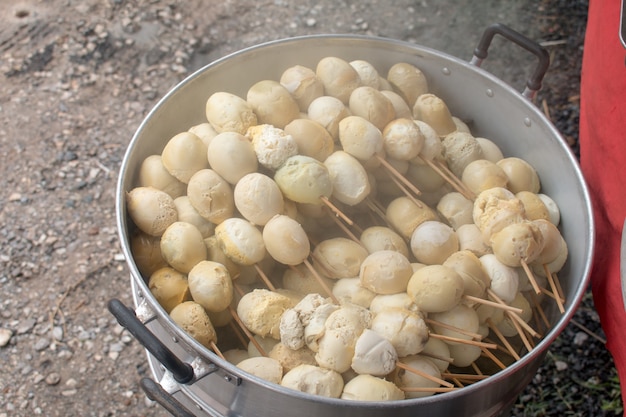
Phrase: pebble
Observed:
(53, 378)
(561, 366)
(57, 333)
(580, 338)
(41, 344)
(5, 336)
(26, 325)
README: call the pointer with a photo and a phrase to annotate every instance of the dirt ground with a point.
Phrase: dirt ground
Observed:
(77, 78)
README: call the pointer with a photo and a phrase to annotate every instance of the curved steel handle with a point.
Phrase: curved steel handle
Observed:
(181, 371)
(156, 393)
(534, 82)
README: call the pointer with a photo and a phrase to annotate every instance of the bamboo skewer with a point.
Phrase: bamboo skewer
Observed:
(464, 341)
(476, 369)
(395, 173)
(539, 310)
(449, 174)
(461, 188)
(499, 348)
(415, 371)
(217, 350)
(406, 192)
(493, 304)
(238, 334)
(549, 293)
(335, 210)
(522, 323)
(555, 290)
(503, 339)
(453, 328)
(493, 357)
(433, 356)
(246, 331)
(530, 276)
(321, 281)
(347, 231)
(515, 318)
(428, 389)
(264, 277)
(468, 377)
(522, 335)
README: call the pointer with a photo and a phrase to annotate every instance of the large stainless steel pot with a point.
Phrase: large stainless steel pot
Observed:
(493, 109)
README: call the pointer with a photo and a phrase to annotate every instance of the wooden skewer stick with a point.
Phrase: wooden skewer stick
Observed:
(217, 350)
(559, 289)
(493, 357)
(235, 329)
(555, 290)
(394, 172)
(460, 188)
(549, 293)
(438, 357)
(522, 335)
(530, 276)
(512, 315)
(427, 389)
(458, 382)
(505, 342)
(379, 211)
(423, 374)
(468, 377)
(464, 341)
(406, 192)
(347, 231)
(335, 210)
(453, 179)
(476, 369)
(246, 331)
(264, 277)
(321, 281)
(296, 270)
(540, 311)
(493, 304)
(238, 289)
(522, 323)
(499, 348)
(453, 328)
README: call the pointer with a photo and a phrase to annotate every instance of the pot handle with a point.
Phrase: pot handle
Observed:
(534, 82)
(156, 393)
(181, 371)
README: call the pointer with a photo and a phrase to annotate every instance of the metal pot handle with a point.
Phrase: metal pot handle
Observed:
(181, 371)
(534, 82)
(156, 393)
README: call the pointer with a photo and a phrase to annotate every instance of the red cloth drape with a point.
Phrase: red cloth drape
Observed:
(603, 161)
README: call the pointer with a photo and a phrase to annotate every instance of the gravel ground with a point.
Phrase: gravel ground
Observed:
(76, 79)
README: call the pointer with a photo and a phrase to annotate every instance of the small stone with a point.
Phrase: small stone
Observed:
(42, 344)
(15, 197)
(560, 365)
(26, 325)
(53, 378)
(5, 336)
(114, 355)
(580, 338)
(57, 333)
(69, 392)
(116, 347)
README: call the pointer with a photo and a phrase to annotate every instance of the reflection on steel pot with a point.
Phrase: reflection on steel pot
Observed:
(490, 107)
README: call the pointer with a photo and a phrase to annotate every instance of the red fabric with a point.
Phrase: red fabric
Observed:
(603, 161)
